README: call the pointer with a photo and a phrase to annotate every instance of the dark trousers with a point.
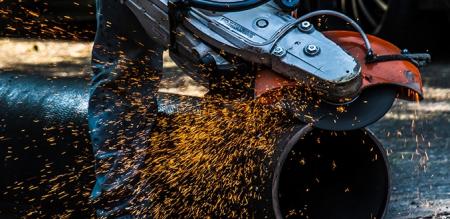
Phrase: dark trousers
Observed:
(127, 67)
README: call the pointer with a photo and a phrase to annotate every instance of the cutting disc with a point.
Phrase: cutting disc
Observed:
(371, 105)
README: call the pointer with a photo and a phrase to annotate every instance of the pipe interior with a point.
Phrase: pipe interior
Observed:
(334, 175)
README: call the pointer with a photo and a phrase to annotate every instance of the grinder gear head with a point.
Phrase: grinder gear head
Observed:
(341, 71)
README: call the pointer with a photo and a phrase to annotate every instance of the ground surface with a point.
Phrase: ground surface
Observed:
(416, 136)
(417, 139)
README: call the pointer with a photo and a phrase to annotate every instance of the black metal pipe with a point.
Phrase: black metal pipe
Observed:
(44, 136)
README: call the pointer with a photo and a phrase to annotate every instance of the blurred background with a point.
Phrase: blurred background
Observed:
(54, 38)
(418, 24)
